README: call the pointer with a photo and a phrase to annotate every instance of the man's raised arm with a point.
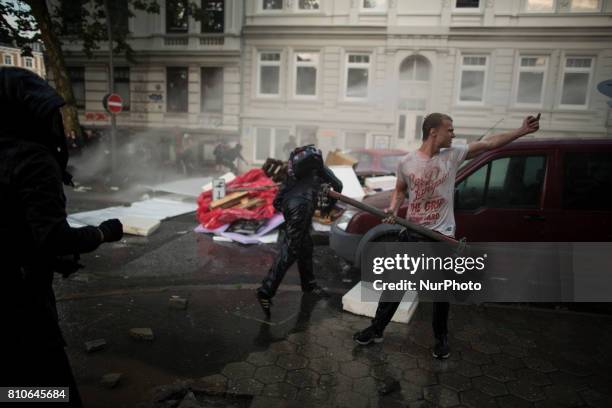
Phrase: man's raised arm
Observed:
(530, 125)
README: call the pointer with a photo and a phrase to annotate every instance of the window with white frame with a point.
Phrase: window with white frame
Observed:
(473, 77)
(542, 6)
(415, 68)
(308, 5)
(29, 62)
(530, 81)
(357, 75)
(584, 5)
(467, 4)
(269, 73)
(272, 4)
(306, 64)
(8, 60)
(269, 142)
(373, 5)
(576, 78)
(539, 5)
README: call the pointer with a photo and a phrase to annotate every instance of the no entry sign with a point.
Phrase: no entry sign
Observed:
(113, 103)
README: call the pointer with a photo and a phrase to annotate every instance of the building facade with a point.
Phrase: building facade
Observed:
(184, 77)
(363, 73)
(11, 56)
(359, 73)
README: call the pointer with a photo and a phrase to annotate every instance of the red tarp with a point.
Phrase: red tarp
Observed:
(219, 216)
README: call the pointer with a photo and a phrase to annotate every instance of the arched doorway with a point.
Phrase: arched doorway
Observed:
(415, 74)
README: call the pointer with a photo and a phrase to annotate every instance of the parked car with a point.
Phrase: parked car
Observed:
(531, 190)
(376, 162)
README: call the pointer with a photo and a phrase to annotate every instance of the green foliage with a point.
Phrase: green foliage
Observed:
(80, 21)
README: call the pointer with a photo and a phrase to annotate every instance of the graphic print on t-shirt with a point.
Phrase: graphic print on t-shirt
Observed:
(430, 183)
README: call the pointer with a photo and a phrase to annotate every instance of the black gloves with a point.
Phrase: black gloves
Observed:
(112, 230)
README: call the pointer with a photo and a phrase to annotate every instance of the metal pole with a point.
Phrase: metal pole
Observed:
(111, 89)
(436, 236)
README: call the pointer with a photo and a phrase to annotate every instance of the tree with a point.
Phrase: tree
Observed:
(23, 22)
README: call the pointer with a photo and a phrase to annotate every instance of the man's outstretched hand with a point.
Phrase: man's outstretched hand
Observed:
(530, 124)
(112, 230)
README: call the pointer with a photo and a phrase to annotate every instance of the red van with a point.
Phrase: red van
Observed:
(529, 190)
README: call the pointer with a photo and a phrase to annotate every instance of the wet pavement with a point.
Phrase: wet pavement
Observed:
(222, 349)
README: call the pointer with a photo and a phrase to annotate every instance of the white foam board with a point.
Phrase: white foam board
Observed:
(140, 217)
(191, 187)
(139, 225)
(382, 182)
(350, 183)
(351, 302)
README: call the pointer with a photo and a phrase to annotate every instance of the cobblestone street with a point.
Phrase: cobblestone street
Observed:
(502, 357)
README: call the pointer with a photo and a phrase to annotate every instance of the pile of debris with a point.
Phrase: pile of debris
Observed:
(245, 214)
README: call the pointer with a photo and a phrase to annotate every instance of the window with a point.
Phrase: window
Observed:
(120, 15)
(509, 182)
(587, 181)
(467, 4)
(177, 17)
(77, 79)
(584, 5)
(357, 73)
(211, 89)
(473, 70)
(306, 73)
(576, 79)
(269, 73)
(354, 140)
(71, 15)
(308, 5)
(415, 68)
(122, 85)
(29, 62)
(531, 74)
(8, 59)
(540, 5)
(269, 142)
(213, 16)
(373, 5)
(576, 6)
(418, 127)
(272, 4)
(401, 127)
(176, 83)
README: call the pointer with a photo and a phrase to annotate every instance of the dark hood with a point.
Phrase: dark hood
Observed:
(30, 112)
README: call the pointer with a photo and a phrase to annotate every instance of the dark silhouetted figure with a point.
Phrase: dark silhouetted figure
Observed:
(297, 199)
(35, 238)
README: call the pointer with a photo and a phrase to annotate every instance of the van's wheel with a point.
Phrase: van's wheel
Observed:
(380, 233)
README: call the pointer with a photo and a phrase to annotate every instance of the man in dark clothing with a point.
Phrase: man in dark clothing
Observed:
(35, 238)
(297, 199)
(230, 155)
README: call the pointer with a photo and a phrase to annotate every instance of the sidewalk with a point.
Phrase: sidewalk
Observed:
(501, 357)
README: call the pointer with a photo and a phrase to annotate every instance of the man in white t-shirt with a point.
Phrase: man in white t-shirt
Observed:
(427, 175)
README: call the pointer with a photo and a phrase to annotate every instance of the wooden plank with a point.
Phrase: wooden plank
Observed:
(229, 200)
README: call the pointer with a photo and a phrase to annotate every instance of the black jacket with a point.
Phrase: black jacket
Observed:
(306, 189)
(33, 227)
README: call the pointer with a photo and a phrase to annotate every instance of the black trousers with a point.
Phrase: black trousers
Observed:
(386, 310)
(296, 245)
(40, 367)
